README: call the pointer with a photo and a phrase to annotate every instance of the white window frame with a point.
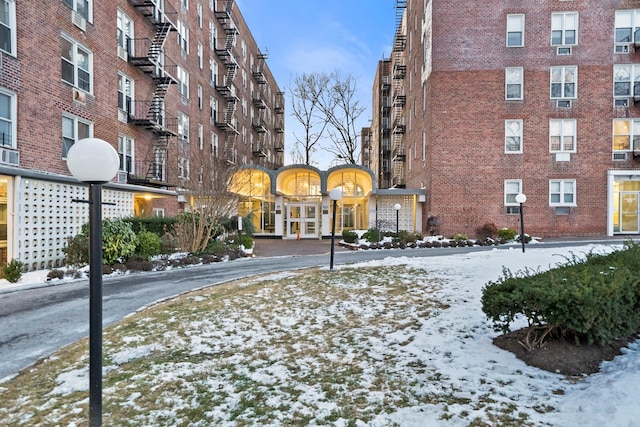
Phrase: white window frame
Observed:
(126, 153)
(625, 78)
(200, 56)
(558, 76)
(213, 33)
(183, 82)
(158, 212)
(509, 194)
(200, 136)
(562, 130)
(9, 28)
(214, 144)
(199, 15)
(10, 123)
(125, 31)
(515, 25)
(123, 79)
(200, 92)
(514, 76)
(627, 22)
(183, 168)
(626, 134)
(513, 131)
(183, 37)
(183, 127)
(563, 23)
(562, 188)
(73, 61)
(75, 120)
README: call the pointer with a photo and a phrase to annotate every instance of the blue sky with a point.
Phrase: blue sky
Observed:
(304, 36)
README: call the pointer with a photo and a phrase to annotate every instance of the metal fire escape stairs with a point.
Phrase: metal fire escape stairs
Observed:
(279, 129)
(259, 148)
(399, 98)
(227, 89)
(148, 55)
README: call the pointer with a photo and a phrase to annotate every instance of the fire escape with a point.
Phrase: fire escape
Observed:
(385, 108)
(259, 148)
(228, 122)
(148, 55)
(279, 130)
(399, 98)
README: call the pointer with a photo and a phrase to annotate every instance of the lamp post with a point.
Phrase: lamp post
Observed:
(397, 207)
(94, 161)
(335, 195)
(521, 198)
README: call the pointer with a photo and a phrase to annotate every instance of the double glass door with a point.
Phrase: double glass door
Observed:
(629, 214)
(302, 220)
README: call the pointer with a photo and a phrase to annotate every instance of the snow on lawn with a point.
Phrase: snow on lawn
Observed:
(402, 341)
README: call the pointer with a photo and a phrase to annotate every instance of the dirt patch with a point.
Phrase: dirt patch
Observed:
(560, 354)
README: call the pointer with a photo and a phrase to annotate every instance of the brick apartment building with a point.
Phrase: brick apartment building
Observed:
(480, 101)
(178, 87)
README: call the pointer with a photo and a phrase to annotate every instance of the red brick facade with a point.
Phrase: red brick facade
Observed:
(456, 57)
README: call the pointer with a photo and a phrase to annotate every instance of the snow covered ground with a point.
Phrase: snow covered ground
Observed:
(450, 372)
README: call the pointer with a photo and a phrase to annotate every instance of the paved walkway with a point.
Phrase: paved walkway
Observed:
(293, 247)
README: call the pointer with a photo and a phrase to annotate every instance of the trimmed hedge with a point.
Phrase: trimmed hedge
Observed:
(595, 299)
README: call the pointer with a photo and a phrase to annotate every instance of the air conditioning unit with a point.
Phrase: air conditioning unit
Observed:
(563, 103)
(10, 157)
(122, 53)
(78, 20)
(622, 102)
(619, 157)
(564, 50)
(79, 96)
(621, 48)
(122, 177)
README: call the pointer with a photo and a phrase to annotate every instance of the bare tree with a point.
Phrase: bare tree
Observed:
(309, 93)
(342, 110)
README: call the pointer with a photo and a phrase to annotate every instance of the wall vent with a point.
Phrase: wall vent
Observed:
(78, 20)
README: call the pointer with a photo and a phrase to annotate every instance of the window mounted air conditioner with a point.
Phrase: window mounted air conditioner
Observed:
(122, 53)
(563, 103)
(619, 157)
(9, 156)
(622, 102)
(78, 20)
(564, 50)
(621, 48)
(79, 96)
(122, 177)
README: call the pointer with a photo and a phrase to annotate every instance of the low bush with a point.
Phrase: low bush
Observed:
(487, 231)
(507, 234)
(372, 235)
(55, 274)
(595, 299)
(349, 236)
(149, 244)
(12, 271)
(460, 237)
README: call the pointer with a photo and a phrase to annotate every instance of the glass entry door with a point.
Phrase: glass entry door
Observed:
(302, 220)
(629, 212)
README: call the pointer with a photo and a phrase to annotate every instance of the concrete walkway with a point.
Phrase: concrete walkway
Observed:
(293, 247)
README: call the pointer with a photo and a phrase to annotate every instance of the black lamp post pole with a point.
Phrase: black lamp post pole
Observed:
(95, 304)
(333, 233)
(397, 222)
(522, 225)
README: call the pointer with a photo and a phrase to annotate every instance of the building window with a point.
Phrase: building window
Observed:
(626, 135)
(515, 30)
(81, 7)
(512, 187)
(562, 192)
(158, 212)
(562, 135)
(214, 144)
(183, 167)
(563, 82)
(125, 152)
(200, 136)
(627, 23)
(125, 33)
(77, 64)
(183, 126)
(74, 129)
(183, 82)
(213, 71)
(199, 96)
(564, 29)
(212, 35)
(514, 79)
(8, 26)
(199, 14)
(183, 37)
(213, 108)
(7, 119)
(200, 60)
(626, 80)
(125, 93)
(513, 136)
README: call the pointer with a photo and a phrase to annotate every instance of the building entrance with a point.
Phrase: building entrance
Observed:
(629, 214)
(302, 220)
